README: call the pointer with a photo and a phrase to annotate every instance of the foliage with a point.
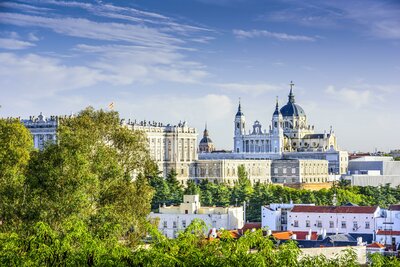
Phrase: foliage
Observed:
(15, 147)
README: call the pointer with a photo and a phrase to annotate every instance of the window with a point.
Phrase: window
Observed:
(366, 225)
(284, 170)
(186, 211)
(184, 223)
(296, 224)
(331, 224)
(319, 224)
(344, 224)
(174, 225)
(307, 223)
(293, 170)
(275, 170)
(165, 225)
(355, 226)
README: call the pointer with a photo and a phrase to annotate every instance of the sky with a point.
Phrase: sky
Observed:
(191, 60)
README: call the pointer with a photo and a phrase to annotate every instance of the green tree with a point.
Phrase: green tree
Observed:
(242, 189)
(175, 188)
(96, 171)
(15, 148)
(192, 188)
(162, 192)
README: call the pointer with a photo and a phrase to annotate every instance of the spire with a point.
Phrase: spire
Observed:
(277, 112)
(291, 95)
(205, 133)
(239, 112)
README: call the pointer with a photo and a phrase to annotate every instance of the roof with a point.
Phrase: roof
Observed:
(206, 140)
(233, 233)
(282, 235)
(394, 207)
(341, 238)
(239, 112)
(387, 232)
(292, 109)
(300, 235)
(250, 226)
(335, 209)
(375, 245)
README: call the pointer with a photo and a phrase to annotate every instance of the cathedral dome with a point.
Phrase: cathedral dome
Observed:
(206, 140)
(206, 144)
(292, 109)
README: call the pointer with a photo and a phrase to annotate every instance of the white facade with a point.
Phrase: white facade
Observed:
(225, 170)
(173, 219)
(274, 217)
(170, 146)
(389, 226)
(43, 129)
(332, 219)
(289, 131)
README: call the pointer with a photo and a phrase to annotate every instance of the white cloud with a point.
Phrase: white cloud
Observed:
(13, 44)
(32, 37)
(275, 35)
(85, 28)
(26, 8)
(374, 18)
(128, 64)
(32, 76)
(353, 97)
(129, 14)
(249, 88)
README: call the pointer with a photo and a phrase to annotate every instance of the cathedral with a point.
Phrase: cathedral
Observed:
(289, 132)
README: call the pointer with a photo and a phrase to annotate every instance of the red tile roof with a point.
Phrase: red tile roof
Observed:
(300, 235)
(387, 232)
(335, 209)
(282, 235)
(233, 233)
(375, 245)
(250, 226)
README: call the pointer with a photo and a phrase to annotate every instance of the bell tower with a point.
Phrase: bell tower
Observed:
(239, 126)
(277, 138)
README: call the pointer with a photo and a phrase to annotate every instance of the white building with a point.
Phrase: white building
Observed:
(173, 219)
(349, 219)
(274, 217)
(43, 129)
(171, 146)
(389, 227)
(225, 170)
(289, 136)
(289, 131)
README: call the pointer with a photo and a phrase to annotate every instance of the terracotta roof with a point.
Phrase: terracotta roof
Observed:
(283, 235)
(375, 245)
(250, 226)
(301, 235)
(394, 207)
(387, 232)
(335, 209)
(233, 233)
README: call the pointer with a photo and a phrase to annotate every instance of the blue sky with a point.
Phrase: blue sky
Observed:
(188, 60)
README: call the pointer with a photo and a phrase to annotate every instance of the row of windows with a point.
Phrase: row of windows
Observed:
(343, 224)
(174, 224)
